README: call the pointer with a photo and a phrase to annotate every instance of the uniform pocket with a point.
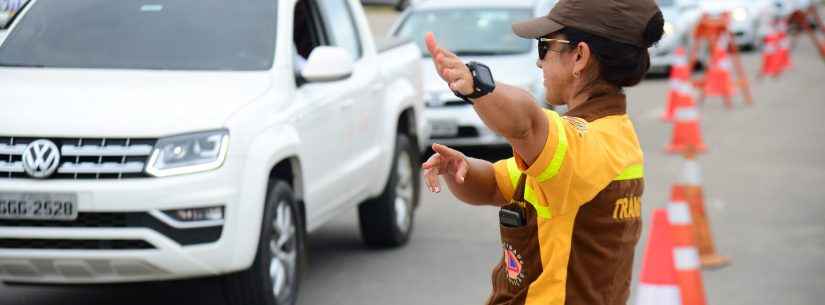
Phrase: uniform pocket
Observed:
(521, 263)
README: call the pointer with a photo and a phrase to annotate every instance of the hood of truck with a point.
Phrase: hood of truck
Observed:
(100, 103)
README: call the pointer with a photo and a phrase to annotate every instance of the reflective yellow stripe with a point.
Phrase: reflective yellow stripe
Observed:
(631, 172)
(561, 150)
(513, 172)
(529, 195)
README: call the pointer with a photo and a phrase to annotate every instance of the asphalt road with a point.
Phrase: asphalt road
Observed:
(764, 177)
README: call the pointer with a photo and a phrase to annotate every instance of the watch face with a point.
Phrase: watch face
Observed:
(484, 75)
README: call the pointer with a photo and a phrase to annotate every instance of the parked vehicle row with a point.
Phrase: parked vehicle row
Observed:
(132, 152)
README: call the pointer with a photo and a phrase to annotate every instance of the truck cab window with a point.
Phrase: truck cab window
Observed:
(344, 34)
(308, 33)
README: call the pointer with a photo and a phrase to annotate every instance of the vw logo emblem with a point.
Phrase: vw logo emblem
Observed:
(41, 158)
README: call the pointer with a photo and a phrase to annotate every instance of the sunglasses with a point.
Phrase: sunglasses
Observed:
(547, 44)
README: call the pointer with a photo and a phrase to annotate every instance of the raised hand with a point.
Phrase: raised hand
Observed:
(447, 162)
(450, 67)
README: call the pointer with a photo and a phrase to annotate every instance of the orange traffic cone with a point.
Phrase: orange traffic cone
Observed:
(771, 56)
(681, 92)
(687, 135)
(718, 82)
(685, 256)
(658, 284)
(784, 55)
(692, 183)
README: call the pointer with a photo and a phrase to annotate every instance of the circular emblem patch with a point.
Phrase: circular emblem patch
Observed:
(514, 264)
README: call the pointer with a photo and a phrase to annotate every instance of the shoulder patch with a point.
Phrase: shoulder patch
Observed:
(579, 123)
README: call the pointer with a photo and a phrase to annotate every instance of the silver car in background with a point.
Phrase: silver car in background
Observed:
(476, 31)
(681, 17)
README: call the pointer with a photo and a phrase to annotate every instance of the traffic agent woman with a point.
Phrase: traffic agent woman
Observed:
(570, 197)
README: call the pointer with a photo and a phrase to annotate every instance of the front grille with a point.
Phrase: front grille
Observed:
(82, 158)
(75, 244)
(187, 236)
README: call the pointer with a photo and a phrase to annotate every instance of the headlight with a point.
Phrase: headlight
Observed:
(189, 153)
(740, 14)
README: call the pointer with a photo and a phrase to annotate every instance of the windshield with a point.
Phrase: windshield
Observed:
(468, 32)
(144, 34)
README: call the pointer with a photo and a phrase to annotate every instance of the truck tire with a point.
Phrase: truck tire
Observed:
(387, 221)
(275, 274)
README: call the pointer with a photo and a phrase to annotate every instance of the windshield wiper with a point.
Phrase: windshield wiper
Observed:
(2, 64)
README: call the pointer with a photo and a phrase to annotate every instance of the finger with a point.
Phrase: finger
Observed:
(431, 179)
(432, 45)
(433, 161)
(447, 152)
(461, 172)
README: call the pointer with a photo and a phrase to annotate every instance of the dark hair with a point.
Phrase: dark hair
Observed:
(621, 64)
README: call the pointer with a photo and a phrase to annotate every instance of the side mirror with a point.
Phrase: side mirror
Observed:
(326, 64)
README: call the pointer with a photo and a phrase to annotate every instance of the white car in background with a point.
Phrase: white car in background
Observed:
(681, 17)
(747, 17)
(475, 31)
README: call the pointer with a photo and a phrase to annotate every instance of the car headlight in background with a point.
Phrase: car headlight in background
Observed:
(740, 14)
(189, 153)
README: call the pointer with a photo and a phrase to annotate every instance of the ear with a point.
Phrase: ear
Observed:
(582, 58)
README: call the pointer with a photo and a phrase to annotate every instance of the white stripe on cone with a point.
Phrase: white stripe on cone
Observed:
(686, 258)
(679, 213)
(693, 173)
(650, 294)
(685, 114)
(726, 64)
(675, 84)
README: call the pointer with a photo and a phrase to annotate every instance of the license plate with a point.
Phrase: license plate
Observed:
(443, 128)
(46, 206)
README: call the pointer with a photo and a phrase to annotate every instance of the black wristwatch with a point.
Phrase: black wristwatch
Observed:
(483, 82)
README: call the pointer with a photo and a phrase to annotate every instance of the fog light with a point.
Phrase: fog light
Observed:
(191, 217)
(196, 214)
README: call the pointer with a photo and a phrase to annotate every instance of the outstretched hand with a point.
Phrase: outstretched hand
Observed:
(447, 162)
(450, 67)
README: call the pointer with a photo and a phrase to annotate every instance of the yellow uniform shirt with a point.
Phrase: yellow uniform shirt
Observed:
(583, 221)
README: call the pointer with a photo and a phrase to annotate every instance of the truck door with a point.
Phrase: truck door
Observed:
(364, 132)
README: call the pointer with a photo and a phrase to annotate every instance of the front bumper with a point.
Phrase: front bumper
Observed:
(117, 236)
(471, 131)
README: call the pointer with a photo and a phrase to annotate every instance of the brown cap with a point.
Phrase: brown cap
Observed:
(620, 20)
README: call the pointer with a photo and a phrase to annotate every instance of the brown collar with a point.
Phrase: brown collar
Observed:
(599, 107)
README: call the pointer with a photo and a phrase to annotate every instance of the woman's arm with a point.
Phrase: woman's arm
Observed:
(508, 111)
(470, 180)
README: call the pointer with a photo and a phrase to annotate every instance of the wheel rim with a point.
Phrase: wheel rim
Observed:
(404, 193)
(283, 251)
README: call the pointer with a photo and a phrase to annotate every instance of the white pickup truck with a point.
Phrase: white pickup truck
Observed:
(165, 139)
